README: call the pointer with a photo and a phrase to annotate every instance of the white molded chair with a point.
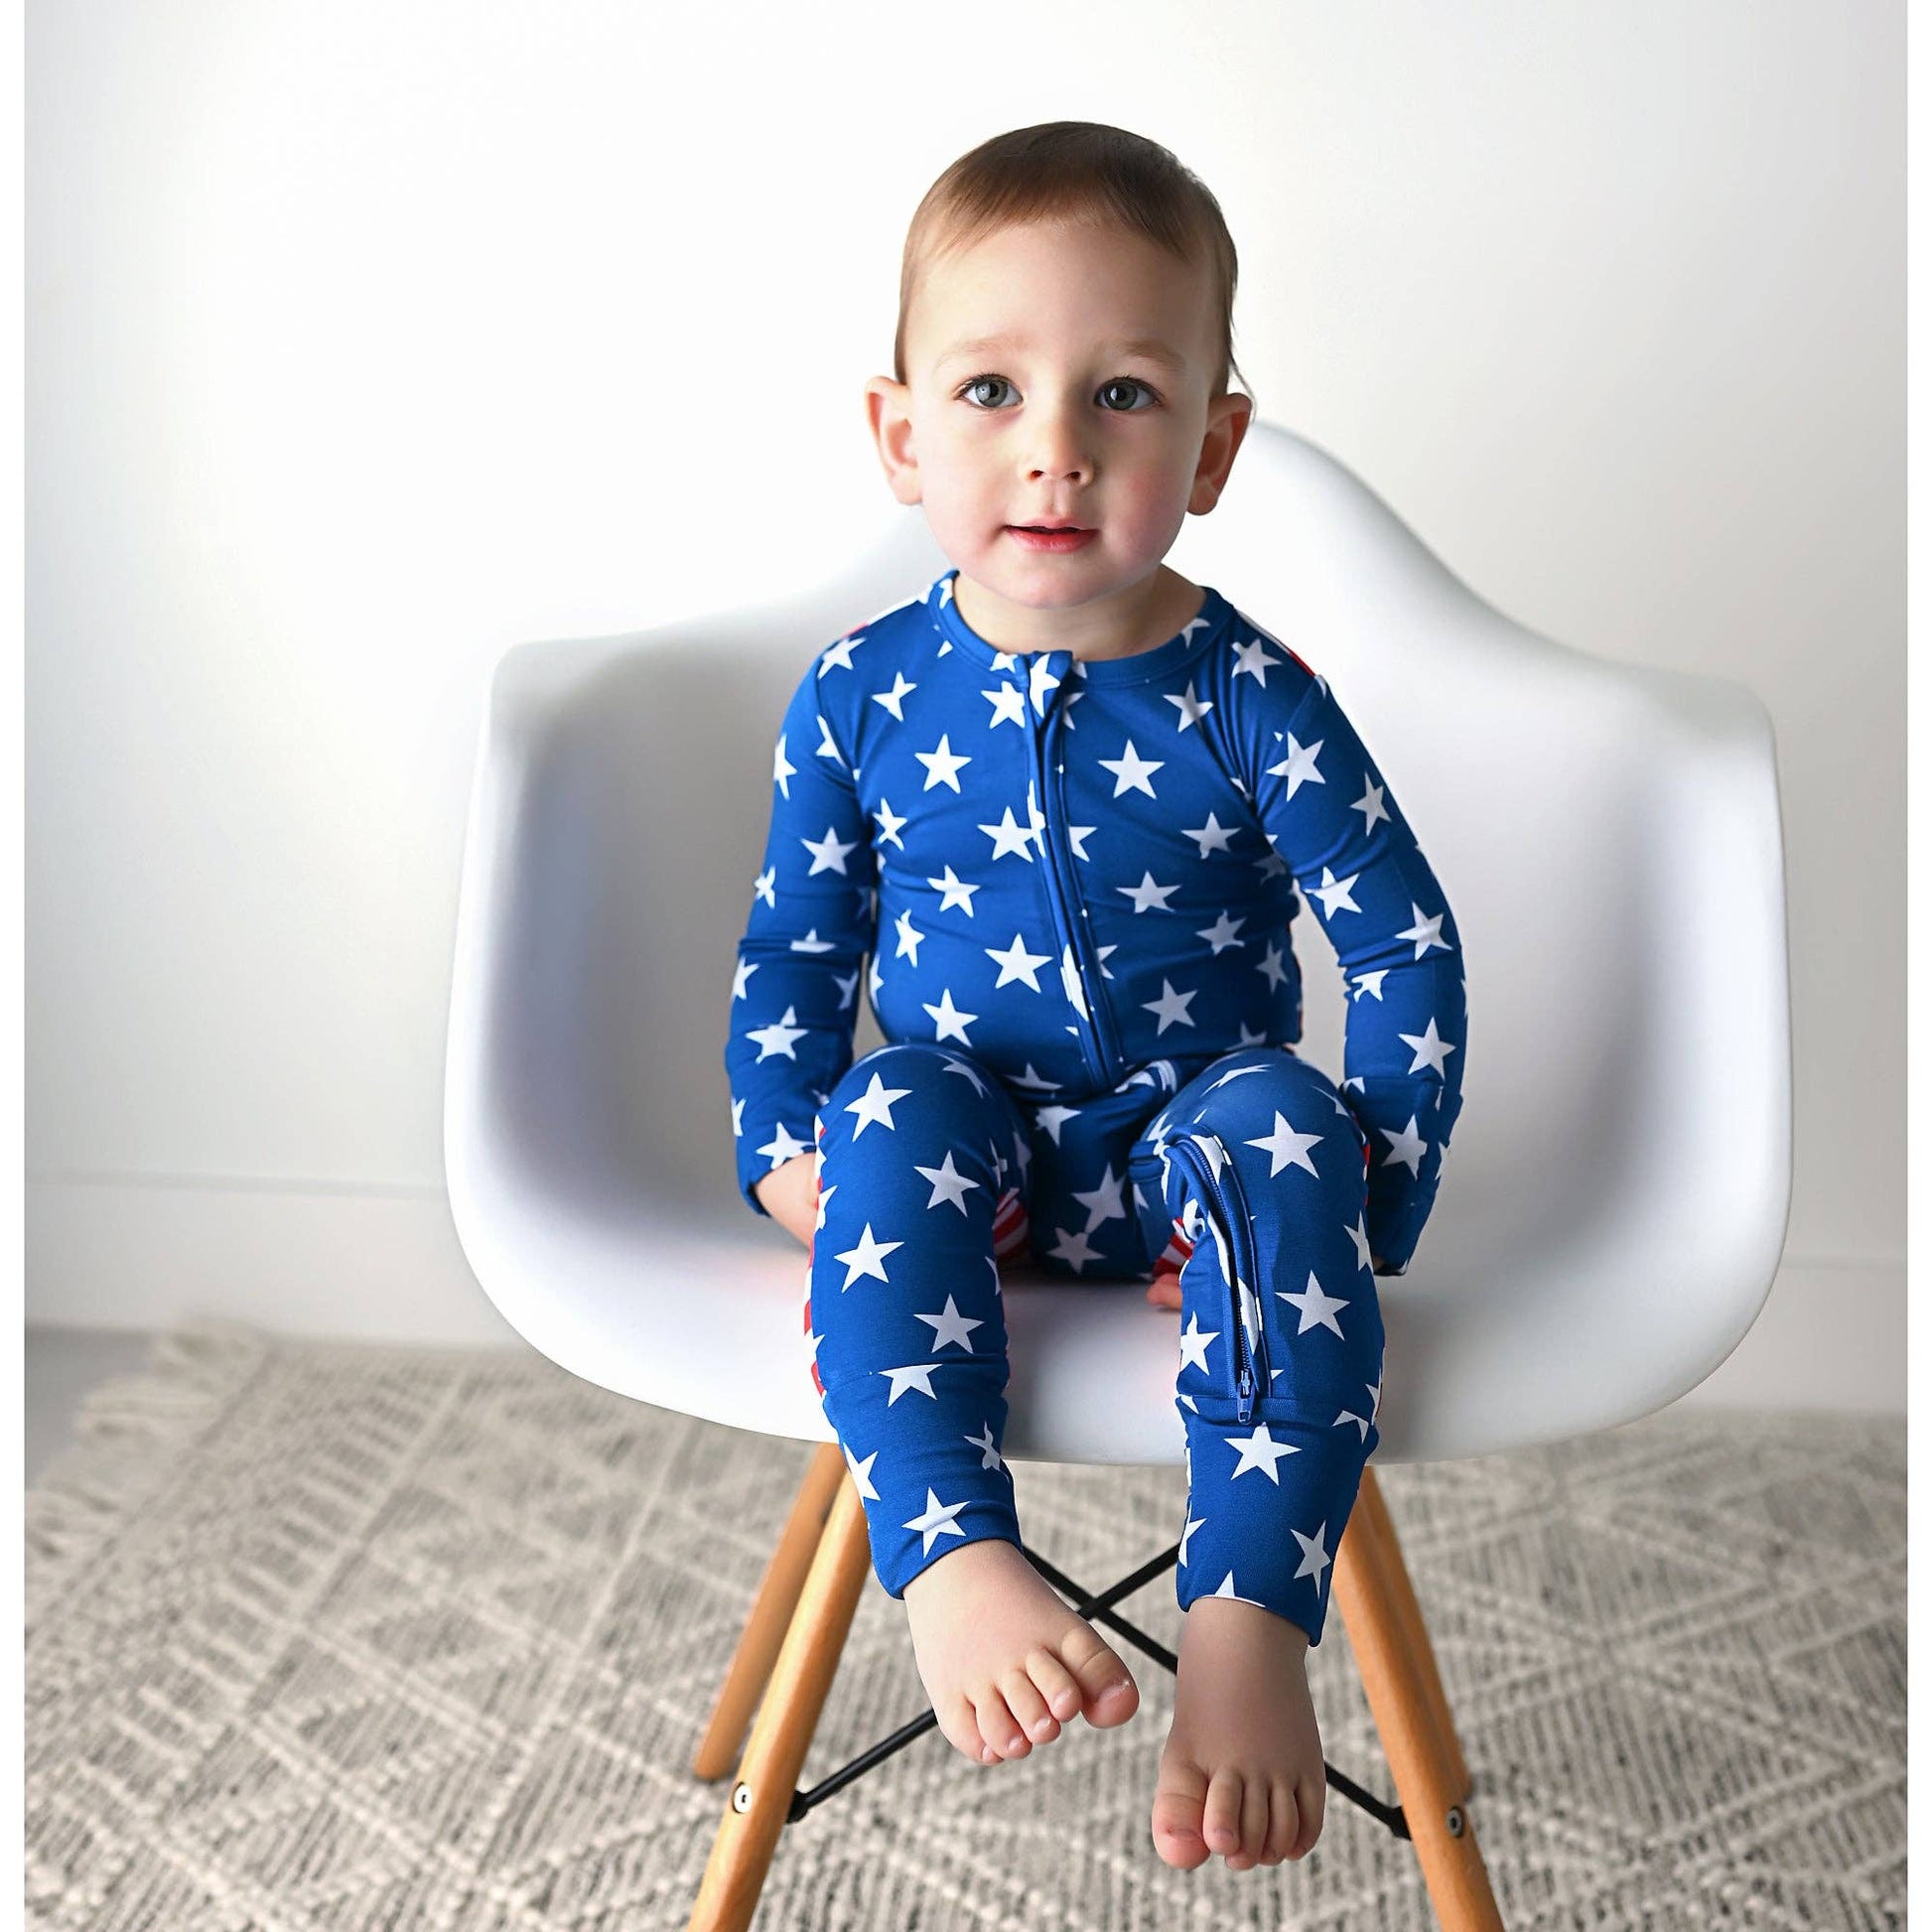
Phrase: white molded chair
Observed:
(1612, 1207)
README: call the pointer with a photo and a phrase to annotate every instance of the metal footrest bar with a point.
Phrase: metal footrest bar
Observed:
(1097, 1609)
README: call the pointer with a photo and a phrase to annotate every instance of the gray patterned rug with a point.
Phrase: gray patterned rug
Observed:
(379, 1640)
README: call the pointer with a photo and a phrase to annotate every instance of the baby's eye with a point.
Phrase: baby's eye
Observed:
(980, 381)
(1126, 383)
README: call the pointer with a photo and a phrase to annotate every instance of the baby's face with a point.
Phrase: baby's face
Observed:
(1059, 373)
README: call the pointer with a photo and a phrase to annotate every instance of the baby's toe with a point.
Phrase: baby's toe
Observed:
(959, 1725)
(997, 1724)
(1057, 1683)
(1027, 1706)
(1221, 1816)
(1176, 1822)
(1310, 1794)
(1284, 1822)
(1108, 1692)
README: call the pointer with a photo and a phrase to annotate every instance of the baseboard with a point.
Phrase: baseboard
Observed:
(382, 1266)
(1830, 1335)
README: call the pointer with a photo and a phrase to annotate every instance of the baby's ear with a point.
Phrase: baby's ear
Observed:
(889, 414)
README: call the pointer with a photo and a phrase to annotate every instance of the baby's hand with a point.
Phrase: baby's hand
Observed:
(790, 1194)
(1165, 1292)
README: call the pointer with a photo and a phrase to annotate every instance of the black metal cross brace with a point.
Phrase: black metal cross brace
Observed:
(1100, 1610)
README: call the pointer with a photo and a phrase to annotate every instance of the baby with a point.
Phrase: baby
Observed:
(1056, 799)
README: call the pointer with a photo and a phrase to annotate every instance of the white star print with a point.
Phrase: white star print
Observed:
(951, 1327)
(1008, 836)
(862, 1474)
(954, 891)
(812, 943)
(992, 1458)
(1104, 1203)
(1147, 894)
(875, 1106)
(1214, 836)
(738, 1119)
(951, 1022)
(1170, 1008)
(1334, 894)
(1071, 984)
(1221, 934)
(782, 1147)
(1370, 982)
(782, 772)
(890, 824)
(938, 1517)
(1132, 773)
(827, 748)
(1193, 1523)
(1370, 806)
(761, 887)
(1314, 1559)
(1009, 707)
(942, 765)
(746, 969)
(1286, 1147)
(839, 654)
(1017, 963)
(1074, 1248)
(1299, 766)
(780, 1037)
(909, 937)
(828, 854)
(915, 1376)
(1053, 1119)
(896, 696)
(1425, 932)
(949, 1183)
(1406, 1146)
(1432, 1050)
(1041, 681)
(1076, 836)
(1194, 1344)
(1318, 1306)
(1252, 658)
(1259, 1451)
(1192, 709)
(1270, 966)
(867, 1258)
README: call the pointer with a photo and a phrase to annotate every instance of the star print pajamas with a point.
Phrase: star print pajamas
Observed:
(1073, 883)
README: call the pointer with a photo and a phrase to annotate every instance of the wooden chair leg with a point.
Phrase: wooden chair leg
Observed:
(771, 1616)
(1368, 1586)
(1415, 1633)
(768, 1779)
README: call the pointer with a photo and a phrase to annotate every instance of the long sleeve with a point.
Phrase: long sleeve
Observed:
(1335, 823)
(795, 993)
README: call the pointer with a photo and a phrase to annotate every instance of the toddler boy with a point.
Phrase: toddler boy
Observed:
(1049, 811)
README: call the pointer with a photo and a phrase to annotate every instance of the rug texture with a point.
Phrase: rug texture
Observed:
(379, 1641)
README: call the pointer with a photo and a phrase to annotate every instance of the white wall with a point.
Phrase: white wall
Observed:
(368, 339)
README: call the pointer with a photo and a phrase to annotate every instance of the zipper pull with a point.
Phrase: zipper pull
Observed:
(1245, 1410)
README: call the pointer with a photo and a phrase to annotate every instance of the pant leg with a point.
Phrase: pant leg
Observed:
(922, 1179)
(1262, 1168)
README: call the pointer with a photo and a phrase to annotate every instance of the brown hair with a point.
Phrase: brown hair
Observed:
(1076, 170)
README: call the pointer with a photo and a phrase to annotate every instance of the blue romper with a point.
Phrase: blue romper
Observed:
(1072, 882)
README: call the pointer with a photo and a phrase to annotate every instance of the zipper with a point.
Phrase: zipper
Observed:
(1097, 1038)
(1223, 1199)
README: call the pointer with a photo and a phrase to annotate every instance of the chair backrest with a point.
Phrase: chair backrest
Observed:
(1615, 1201)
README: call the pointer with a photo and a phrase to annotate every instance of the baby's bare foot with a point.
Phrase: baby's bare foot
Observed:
(1242, 1771)
(1003, 1658)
